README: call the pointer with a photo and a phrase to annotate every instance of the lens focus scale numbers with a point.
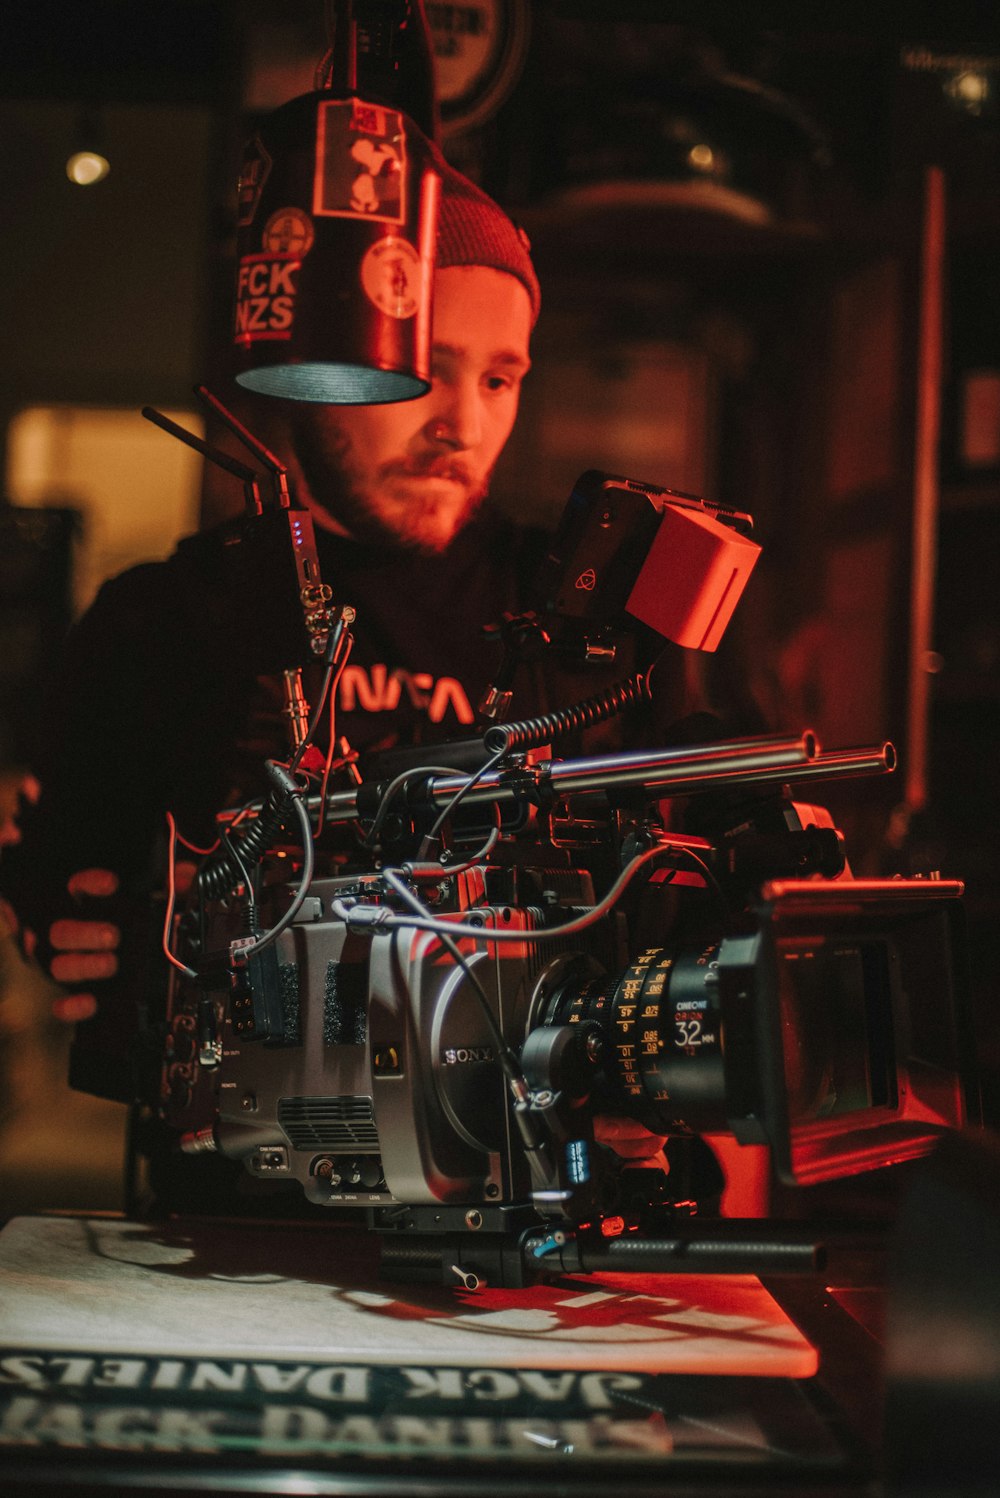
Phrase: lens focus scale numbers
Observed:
(637, 1015)
(662, 1026)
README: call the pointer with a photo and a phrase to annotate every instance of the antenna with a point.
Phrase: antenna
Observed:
(263, 454)
(251, 488)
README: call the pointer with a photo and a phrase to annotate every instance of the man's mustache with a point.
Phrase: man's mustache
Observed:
(432, 466)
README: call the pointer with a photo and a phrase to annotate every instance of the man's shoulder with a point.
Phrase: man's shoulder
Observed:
(192, 564)
(149, 611)
(137, 590)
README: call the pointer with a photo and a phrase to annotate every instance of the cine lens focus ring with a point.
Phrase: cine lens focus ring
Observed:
(662, 1035)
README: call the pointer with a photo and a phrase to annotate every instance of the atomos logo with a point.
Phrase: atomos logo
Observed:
(587, 581)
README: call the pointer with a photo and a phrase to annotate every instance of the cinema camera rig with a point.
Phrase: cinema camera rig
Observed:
(435, 1032)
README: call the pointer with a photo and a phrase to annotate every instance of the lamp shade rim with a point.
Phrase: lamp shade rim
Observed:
(333, 384)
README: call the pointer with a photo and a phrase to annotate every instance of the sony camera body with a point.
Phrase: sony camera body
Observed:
(456, 1090)
(441, 1013)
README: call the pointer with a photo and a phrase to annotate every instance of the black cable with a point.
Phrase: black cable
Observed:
(233, 852)
(505, 1055)
(530, 733)
(330, 662)
(480, 853)
(361, 917)
(214, 878)
(394, 786)
(293, 793)
(484, 769)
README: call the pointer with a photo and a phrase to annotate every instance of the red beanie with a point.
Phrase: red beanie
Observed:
(473, 230)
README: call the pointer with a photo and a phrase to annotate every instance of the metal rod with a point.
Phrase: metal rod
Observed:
(213, 454)
(841, 764)
(654, 771)
(253, 444)
(703, 1251)
(674, 772)
(926, 483)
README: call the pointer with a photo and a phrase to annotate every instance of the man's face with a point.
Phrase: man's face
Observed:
(414, 472)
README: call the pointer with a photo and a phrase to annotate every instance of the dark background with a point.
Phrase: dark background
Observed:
(787, 313)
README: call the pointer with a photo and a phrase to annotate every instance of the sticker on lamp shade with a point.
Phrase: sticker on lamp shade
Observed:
(288, 232)
(266, 287)
(391, 275)
(254, 171)
(360, 162)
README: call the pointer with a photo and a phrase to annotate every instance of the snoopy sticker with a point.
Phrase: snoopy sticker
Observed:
(360, 162)
(378, 178)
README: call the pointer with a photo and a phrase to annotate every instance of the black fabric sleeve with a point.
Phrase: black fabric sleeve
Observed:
(143, 700)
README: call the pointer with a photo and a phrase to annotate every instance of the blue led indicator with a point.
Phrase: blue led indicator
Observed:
(578, 1161)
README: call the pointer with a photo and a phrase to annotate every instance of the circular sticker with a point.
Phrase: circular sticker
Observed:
(391, 275)
(289, 231)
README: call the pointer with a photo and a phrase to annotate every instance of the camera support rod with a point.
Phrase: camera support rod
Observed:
(674, 772)
(729, 1247)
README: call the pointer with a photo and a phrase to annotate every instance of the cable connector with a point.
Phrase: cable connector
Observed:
(283, 782)
(361, 918)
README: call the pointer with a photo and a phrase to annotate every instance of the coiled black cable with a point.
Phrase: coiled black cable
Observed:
(227, 869)
(218, 877)
(530, 733)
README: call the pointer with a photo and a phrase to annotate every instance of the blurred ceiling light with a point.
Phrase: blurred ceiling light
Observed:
(702, 158)
(88, 163)
(87, 167)
(970, 90)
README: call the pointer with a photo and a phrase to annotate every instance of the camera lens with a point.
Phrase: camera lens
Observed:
(662, 1029)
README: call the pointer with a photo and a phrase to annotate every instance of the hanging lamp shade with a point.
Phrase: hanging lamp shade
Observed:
(337, 224)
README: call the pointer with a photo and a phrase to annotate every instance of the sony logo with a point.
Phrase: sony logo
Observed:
(461, 1055)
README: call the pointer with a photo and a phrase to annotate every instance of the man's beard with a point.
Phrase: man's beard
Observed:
(336, 484)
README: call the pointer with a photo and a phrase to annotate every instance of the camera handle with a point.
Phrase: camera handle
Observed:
(729, 1246)
(568, 1171)
(506, 1259)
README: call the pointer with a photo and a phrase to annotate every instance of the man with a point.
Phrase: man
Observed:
(160, 706)
(160, 709)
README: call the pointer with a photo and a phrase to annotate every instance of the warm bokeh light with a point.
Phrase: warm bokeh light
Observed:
(970, 90)
(99, 460)
(87, 167)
